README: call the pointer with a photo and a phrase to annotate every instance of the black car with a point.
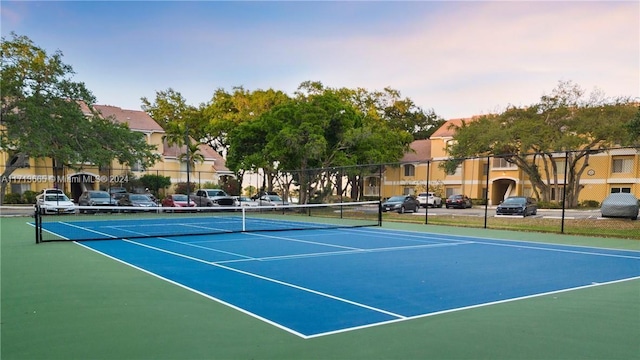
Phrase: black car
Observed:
(401, 204)
(97, 199)
(142, 201)
(458, 201)
(517, 205)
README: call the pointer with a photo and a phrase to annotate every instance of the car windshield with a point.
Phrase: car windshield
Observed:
(180, 197)
(216, 193)
(140, 198)
(56, 198)
(514, 200)
(99, 195)
(396, 198)
(274, 198)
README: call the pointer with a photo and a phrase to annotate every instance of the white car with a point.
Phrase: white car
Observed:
(272, 200)
(244, 201)
(55, 203)
(429, 199)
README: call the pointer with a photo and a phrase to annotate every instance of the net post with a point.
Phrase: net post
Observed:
(36, 216)
(244, 219)
(379, 212)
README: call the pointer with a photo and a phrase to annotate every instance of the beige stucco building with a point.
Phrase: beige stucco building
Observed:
(44, 173)
(615, 170)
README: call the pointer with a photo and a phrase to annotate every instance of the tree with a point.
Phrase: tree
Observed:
(319, 128)
(563, 127)
(41, 115)
(633, 129)
(155, 182)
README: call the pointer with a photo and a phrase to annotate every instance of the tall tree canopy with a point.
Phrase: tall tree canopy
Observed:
(41, 115)
(318, 128)
(565, 126)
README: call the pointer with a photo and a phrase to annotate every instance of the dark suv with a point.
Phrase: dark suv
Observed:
(95, 198)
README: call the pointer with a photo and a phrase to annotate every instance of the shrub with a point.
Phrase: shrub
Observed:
(549, 205)
(29, 197)
(590, 204)
(12, 198)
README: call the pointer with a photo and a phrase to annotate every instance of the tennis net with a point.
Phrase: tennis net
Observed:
(119, 222)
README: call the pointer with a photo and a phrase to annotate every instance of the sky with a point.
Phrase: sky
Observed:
(458, 59)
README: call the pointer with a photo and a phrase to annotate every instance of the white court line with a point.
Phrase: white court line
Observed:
(471, 307)
(87, 229)
(520, 244)
(346, 252)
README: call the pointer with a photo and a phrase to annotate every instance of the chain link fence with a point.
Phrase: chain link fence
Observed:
(568, 187)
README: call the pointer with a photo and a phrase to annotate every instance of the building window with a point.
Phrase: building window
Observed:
(485, 169)
(560, 167)
(557, 196)
(451, 191)
(499, 162)
(137, 166)
(622, 166)
(409, 170)
(621, 190)
(20, 188)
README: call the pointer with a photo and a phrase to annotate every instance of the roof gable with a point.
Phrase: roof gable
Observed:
(420, 151)
(448, 129)
(136, 119)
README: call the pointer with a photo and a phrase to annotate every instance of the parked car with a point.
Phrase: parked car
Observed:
(177, 201)
(95, 198)
(429, 199)
(271, 200)
(142, 201)
(54, 203)
(517, 205)
(244, 201)
(263, 193)
(117, 190)
(51, 191)
(401, 204)
(623, 205)
(212, 197)
(458, 201)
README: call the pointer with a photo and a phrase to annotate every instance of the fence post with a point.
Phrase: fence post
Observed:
(564, 191)
(426, 207)
(486, 195)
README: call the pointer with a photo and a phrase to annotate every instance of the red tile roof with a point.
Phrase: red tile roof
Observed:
(448, 128)
(420, 151)
(206, 151)
(137, 119)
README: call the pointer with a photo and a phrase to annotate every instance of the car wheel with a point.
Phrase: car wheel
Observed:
(402, 210)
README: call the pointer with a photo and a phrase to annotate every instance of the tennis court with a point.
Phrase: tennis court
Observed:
(331, 279)
(65, 300)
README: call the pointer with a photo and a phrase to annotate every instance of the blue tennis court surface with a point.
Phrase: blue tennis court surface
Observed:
(318, 282)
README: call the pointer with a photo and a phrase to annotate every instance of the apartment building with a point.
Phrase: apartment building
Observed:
(614, 170)
(45, 173)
